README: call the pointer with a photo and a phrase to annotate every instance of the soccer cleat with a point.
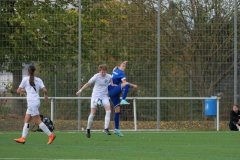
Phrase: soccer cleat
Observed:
(116, 131)
(88, 133)
(123, 101)
(51, 138)
(20, 140)
(106, 131)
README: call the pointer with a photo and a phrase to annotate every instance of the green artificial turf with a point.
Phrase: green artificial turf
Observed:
(167, 145)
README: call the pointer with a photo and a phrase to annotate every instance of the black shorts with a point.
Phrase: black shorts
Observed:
(232, 127)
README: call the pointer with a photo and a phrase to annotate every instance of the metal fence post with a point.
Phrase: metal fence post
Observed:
(52, 104)
(135, 114)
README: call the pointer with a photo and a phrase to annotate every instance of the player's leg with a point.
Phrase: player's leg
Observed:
(125, 87)
(90, 117)
(117, 120)
(25, 129)
(37, 120)
(117, 117)
(114, 94)
(234, 126)
(107, 107)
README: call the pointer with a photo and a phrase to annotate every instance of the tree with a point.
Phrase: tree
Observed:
(32, 31)
(198, 36)
(201, 41)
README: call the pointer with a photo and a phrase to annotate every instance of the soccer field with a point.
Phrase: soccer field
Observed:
(134, 145)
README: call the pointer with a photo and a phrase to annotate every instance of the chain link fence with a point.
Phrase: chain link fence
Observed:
(197, 55)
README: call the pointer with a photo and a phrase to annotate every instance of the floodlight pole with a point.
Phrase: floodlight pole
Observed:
(158, 66)
(235, 52)
(79, 58)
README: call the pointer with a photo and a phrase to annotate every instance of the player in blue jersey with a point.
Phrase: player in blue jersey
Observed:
(119, 78)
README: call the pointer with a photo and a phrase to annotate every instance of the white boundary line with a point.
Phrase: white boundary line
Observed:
(44, 159)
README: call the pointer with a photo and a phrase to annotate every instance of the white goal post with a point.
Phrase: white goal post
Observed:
(134, 104)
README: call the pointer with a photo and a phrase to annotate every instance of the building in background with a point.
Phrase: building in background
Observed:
(6, 78)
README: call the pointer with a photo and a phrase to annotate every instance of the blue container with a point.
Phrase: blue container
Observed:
(210, 107)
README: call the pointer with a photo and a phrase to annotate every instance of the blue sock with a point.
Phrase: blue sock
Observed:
(116, 120)
(125, 91)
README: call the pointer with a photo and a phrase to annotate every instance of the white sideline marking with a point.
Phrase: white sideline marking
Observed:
(46, 159)
(143, 131)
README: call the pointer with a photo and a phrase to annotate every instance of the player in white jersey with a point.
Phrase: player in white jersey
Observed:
(31, 85)
(100, 90)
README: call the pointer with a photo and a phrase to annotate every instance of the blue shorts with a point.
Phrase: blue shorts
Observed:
(114, 93)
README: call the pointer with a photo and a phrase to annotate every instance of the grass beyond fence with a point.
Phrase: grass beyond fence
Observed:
(134, 146)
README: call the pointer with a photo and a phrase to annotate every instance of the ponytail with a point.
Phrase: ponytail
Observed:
(31, 70)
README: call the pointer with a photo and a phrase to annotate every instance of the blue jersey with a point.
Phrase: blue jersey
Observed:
(115, 91)
(117, 76)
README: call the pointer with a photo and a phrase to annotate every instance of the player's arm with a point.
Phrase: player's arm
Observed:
(111, 82)
(83, 87)
(45, 93)
(20, 90)
(21, 87)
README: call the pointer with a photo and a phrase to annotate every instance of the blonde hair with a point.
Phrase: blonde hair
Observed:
(119, 63)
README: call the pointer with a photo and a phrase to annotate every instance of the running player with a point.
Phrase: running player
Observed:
(31, 85)
(100, 90)
(119, 79)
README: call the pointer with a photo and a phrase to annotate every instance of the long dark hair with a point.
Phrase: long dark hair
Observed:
(31, 70)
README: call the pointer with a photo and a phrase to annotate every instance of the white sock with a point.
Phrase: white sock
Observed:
(90, 119)
(25, 130)
(45, 128)
(107, 119)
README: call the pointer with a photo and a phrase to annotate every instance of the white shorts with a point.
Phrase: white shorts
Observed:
(33, 107)
(105, 101)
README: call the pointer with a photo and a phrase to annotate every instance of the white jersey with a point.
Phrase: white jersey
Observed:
(101, 84)
(32, 92)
